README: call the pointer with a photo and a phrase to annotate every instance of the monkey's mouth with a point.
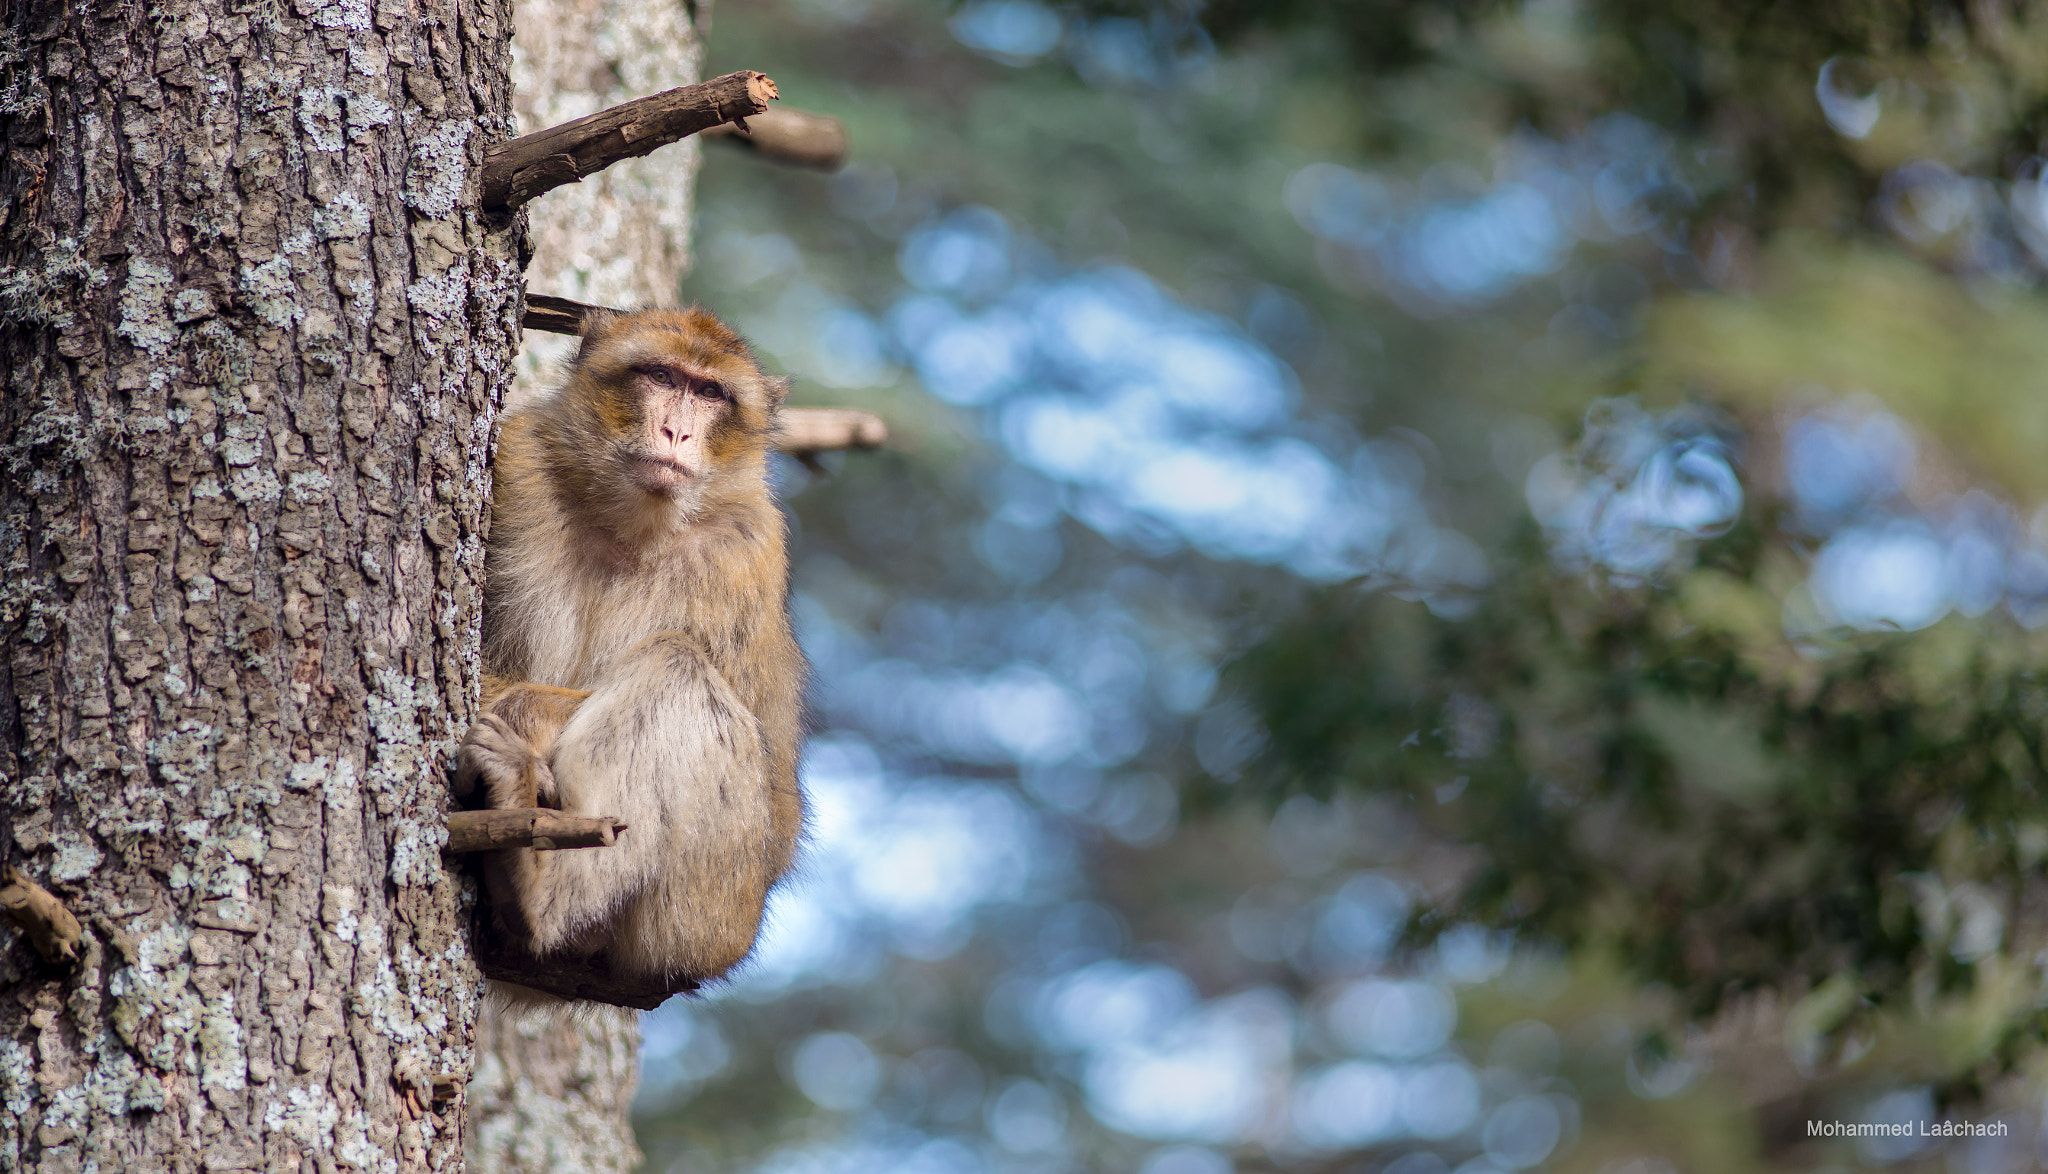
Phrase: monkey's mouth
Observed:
(659, 476)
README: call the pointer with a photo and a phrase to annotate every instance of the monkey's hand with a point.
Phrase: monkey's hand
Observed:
(510, 746)
(512, 773)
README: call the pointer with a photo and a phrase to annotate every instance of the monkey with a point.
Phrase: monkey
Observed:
(638, 656)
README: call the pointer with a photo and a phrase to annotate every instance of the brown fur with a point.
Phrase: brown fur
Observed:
(638, 652)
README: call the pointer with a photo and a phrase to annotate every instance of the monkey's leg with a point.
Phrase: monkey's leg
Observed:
(507, 751)
(666, 744)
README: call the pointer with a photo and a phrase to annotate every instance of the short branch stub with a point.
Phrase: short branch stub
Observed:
(50, 927)
(798, 138)
(552, 315)
(815, 430)
(529, 827)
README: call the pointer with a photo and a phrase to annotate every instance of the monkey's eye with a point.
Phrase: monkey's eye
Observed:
(712, 390)
(661, 375)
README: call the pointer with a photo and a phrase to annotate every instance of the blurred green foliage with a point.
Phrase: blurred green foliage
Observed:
(1681, 781)
(1691, 693)
(1659, 776)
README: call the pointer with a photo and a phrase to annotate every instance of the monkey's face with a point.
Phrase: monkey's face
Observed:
(664, 412)
(680, 411)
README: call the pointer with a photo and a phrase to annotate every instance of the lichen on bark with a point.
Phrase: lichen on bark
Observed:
(253, 339)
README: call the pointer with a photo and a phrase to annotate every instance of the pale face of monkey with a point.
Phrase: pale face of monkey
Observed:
(679, 409)
(664, 420)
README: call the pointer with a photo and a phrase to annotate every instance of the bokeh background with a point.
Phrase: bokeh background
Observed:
(1457, 587)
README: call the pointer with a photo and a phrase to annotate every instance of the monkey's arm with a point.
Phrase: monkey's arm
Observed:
(508, 747)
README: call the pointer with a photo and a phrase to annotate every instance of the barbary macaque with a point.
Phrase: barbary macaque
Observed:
(638, 655)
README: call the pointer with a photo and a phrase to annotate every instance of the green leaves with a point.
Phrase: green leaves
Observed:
(1651, 777)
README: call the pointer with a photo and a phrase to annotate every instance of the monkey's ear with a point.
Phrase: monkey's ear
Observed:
(597, 322)
(778, 390)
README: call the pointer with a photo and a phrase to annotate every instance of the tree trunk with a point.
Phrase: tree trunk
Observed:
(622, 236)
(556, 1094)
(254, 335)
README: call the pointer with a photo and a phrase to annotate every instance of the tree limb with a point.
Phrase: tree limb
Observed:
(529, 827)
(50, 927)
(804, 431)
(517, 171)
(796, 137)
(589, 979)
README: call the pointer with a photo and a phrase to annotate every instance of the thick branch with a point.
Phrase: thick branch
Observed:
(50, 927)
(517, 171)
(796, 137)
(529, 827)
(804, 430)
(575, 978)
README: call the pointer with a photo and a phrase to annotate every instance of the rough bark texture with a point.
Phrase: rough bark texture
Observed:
(556, 1095)
(251, 339)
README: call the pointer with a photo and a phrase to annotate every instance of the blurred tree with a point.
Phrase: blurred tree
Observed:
(1728, 802)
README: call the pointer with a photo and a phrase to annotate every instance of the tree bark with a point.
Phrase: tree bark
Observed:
(622, 236)
(252, 336)
(555, 1095)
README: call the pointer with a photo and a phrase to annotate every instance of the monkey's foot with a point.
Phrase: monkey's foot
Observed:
(512, 774)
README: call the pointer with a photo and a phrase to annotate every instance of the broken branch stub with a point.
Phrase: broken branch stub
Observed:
(813, 430)
(529, 827)
(50, 927)
(552, 315)
(796, 137)
(516, 171)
